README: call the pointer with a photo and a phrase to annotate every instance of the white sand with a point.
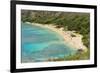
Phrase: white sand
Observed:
(73, 41)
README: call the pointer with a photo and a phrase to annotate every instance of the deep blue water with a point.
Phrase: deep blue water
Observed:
(39, 44)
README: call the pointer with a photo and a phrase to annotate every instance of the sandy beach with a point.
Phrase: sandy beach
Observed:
(73, 41)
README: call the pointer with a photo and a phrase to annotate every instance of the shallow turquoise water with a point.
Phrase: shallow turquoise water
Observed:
(40, 44)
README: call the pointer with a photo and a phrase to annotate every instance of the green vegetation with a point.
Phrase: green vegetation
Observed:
(79, 22)
(77, 56)
(73, 35)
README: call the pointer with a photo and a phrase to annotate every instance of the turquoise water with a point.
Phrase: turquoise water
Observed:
(39, 44)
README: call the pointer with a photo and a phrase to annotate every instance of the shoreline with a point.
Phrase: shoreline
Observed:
(67, 35)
